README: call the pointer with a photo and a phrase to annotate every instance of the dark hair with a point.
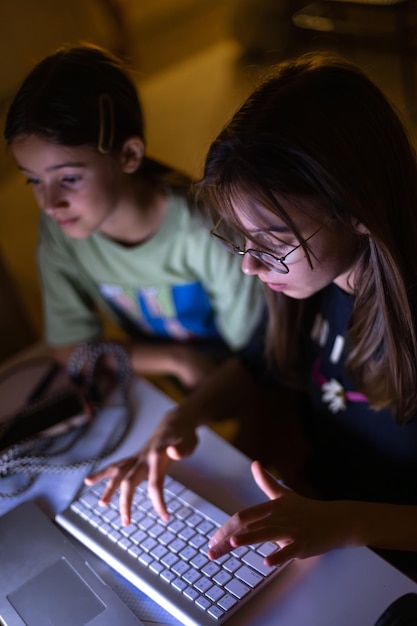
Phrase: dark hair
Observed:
(80, 95)
(319, 128)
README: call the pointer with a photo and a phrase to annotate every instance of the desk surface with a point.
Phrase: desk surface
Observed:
(343, 587)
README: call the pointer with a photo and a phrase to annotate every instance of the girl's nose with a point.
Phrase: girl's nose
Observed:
(52, 199)
(250, 265)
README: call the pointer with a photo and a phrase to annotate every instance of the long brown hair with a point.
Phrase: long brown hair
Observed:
(318, 128)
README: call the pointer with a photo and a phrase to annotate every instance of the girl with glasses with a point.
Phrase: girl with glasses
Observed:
(313, 183)
(317, 179)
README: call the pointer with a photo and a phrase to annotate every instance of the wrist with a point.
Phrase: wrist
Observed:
(353, 520)
(184, 415)
(188, 365)
(178, 357)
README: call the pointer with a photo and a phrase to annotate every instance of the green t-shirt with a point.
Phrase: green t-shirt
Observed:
(179, 284)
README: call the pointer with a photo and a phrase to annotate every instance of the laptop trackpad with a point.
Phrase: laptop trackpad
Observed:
(58, 595)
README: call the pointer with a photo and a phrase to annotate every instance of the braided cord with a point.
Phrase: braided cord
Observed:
(31, 457)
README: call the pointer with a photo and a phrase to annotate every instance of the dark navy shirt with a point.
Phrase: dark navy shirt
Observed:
(358, 453)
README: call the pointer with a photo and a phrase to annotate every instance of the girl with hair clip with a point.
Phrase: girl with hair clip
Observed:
(119, 232)
(313, 183)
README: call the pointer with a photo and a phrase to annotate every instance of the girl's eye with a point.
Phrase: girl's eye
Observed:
(275, 248)
(282, 249)
(71, 179)
(32, 181)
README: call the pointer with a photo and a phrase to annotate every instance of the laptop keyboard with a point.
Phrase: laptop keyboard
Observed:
(168, 560)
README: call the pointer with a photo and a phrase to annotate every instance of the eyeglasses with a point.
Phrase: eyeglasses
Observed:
(272, 262)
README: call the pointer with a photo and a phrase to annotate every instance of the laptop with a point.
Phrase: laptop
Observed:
(44, 579)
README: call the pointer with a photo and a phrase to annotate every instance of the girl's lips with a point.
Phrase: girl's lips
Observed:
(277, 286)
(67, 222)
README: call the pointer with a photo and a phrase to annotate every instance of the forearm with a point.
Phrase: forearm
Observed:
(157, 358)
(145, 358)
(225, 393)
(387, 526)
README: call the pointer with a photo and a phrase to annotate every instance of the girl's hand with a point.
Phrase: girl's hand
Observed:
(301, 527)
(174, 439)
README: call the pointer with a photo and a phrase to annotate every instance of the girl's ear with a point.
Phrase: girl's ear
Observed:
(132, 154)
(360, 228)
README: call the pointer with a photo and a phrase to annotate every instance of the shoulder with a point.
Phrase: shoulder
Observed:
(188, 214)
(166, 177)
(180, 188)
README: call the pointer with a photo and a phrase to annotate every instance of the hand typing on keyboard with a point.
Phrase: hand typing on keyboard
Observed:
(301, 527)
(173, 439)
(223, 393)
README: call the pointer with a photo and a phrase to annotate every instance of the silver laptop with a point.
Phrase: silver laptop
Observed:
(44, 579)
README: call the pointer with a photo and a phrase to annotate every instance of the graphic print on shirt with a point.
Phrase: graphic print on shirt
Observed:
(333, 393)
(177, 311)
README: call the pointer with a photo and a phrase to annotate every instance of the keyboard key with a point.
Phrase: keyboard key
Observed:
(215, 611)
(203, 602)
(237, 588)
(156, 567)
(249, 576)
(187, 533)
(179, 584)
(199, 561)
(138, 536)
(222, 577)
(145, 558)
(159, 552)
(215, 593)
(167, 575)
(203, 584)
(177, 545)
(210, 569)
(169, 559)
(180, 567)
(195, 520)
(232, 564)
(191, 593)
(227, 602)
(191, 575)
(257, 562)
(188, 553)
(198, 541)
(135, 551)
(265, 549)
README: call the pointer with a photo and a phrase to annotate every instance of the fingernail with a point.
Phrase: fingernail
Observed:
(212, 542)
(125, 520)
(213, 554)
